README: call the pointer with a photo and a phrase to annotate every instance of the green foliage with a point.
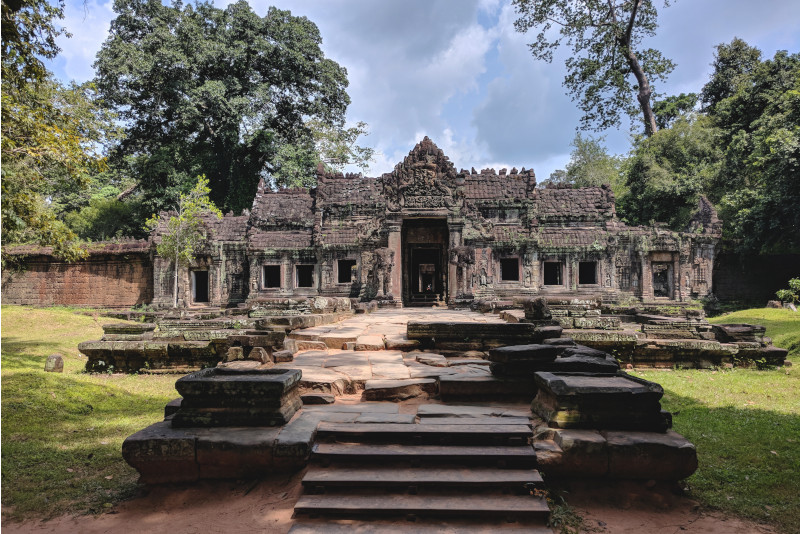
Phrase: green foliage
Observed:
(668, 109)
(182, 232)
(792, 294)
(52, 135)
(667, 172)
(219, 92)
(734, 65)
(607, 65)
(590, 165)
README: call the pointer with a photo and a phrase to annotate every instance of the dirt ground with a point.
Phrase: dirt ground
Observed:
(266, 507)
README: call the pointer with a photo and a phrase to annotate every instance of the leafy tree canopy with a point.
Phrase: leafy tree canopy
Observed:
(590, 165)
(607, 64)
(52, 135)
(219, 92)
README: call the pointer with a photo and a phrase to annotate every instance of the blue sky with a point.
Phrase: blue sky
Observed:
(456, 71)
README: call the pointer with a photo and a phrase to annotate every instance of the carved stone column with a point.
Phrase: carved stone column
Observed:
(396, 245)
(455, 241)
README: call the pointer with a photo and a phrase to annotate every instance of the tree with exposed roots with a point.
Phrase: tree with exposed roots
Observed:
(607, 64)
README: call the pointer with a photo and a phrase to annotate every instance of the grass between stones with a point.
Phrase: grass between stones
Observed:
(62, 433)
(746, 426)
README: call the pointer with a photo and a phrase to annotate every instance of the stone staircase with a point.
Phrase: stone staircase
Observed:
(440, 474)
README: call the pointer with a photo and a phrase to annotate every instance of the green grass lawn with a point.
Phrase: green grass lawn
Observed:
(746, 426)
(62, 433)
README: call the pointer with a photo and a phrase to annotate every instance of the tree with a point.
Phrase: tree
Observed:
(181, 234)
(52, 135)
(333, 147)
(215, 91)
(590, 165)
(734, 65)
(605, 39)
(668, 171)
(668, 109)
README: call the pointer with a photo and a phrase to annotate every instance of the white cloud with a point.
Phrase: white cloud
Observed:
(88, 23)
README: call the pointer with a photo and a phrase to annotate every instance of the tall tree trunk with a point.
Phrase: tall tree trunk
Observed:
(175, 286)
(644, 94)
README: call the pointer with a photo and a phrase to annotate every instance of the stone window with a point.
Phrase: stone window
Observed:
(587, 272)
(699, 274)
(553, 273)
(346, 270)
(271, 276)
(304, 275)
(509, 269)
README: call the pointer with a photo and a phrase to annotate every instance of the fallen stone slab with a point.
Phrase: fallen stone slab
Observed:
(321, 380)
(533, 352)
(435, 360)
(356, 373)
(369, 342)
(429, 331)
(317, 398)
(456, 362)
(385, 356)
(456, 410)
(406, 418)
(394, 371)
(401, 343)
(396, 390)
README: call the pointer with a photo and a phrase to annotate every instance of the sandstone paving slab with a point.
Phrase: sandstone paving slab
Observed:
(321, 380)
(293, 443)
(435, 360)
(474, 420)
(337, 340)
(406, 418)
(390, 371)
(466, 411)
(356, 373)
(369, 343)
(399, 389)
(360, 408)
(401, 343)
(317, 398)
(346, 358)
(453, 362)
(388, 356)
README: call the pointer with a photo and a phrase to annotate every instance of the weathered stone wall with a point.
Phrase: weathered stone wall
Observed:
(753, 279)
(102, 280)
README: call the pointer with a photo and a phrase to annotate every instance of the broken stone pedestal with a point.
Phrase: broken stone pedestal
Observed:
(610, 402)
(231, 397)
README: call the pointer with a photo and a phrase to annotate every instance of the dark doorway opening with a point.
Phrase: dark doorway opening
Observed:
(305, 275)
(509, 269)
(200, 286)
(587, 272)
(552, 273)
(272, 276)
(424, 261)
(346, 270)
(662, 280)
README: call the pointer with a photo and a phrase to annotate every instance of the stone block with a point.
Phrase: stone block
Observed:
(282, 356)
(369, 342)
(172, 407)
(517, 353)
(395, 390)
(235, 452)
(401, 343)
(317, 398)
(54, 364)
(234, 354)
(599, 402)
(484, 387)
(599, 323)
(650, 455)
(161, 454)
(585, 453)
(434, 360)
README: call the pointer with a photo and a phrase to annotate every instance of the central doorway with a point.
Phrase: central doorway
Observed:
(424, 261)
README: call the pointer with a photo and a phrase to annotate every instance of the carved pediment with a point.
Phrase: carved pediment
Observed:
(425, 179)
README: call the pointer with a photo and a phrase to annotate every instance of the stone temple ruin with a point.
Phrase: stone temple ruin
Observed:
(501, 310)
(427, 233)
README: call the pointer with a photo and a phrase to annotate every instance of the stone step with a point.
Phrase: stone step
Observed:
(509, 507)
(395, 390)
(425, 434)
(498, 456)
(319, 478)
(331, 526)
(484, 387)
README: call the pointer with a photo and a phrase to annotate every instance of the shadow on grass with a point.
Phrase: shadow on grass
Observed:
(748, 457)
(61, 441)
(20, 355)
